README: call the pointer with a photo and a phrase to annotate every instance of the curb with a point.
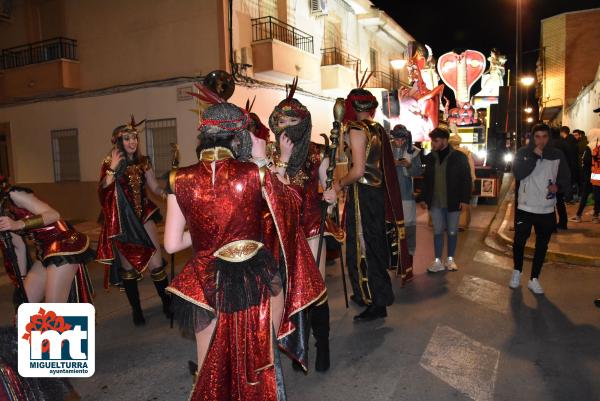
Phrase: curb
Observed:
(498, 233)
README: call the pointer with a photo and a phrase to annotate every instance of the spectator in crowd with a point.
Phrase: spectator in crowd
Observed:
(591, 170)
(446, 191)
(541, 172)
(465, 214)
(408, 165)
(582, 143)
(561, 217)
(572, 154)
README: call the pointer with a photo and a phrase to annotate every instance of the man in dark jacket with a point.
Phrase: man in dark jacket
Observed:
(541, 171)
(572, 156)
(582, 143)
(561, 209)
(447, 190)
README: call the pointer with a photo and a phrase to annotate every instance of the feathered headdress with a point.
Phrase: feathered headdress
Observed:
(259, 130)
(360, 99)
(130, 127)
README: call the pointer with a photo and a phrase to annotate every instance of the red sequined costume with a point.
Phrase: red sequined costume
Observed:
(226, 231)
(132, 185)
(306, 182)
(56, 244)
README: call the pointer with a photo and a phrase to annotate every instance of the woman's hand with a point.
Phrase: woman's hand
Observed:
(115, 158)
(286, 146)
(330, 196)
(8, 224)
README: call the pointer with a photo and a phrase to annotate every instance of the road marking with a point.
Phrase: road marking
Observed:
(465, 364)
(492, 259)
(486, 293)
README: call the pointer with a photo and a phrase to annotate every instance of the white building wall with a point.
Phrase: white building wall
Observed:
(580, 115)
(95, 118)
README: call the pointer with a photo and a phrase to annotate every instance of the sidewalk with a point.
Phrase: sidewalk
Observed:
(579, 245)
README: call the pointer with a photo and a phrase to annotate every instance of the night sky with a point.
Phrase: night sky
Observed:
(479, 25)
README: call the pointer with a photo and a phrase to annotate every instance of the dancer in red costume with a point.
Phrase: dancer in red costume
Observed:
(129, 238)
(59, 274)
(306, 168)
(231, 294)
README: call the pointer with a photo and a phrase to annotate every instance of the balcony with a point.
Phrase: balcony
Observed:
(39, 68)
(338, 71)
(383, 80)
(281, 51)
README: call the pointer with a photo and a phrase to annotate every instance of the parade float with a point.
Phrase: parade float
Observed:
(470, 116)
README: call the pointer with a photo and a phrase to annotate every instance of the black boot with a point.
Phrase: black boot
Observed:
(319, 321)
(371, 313)
(161, 281)
(133, 295)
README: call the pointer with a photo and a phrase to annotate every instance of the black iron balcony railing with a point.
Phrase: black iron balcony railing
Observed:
(38, 52)
(336, 56)
(271, 28)
(381, 79)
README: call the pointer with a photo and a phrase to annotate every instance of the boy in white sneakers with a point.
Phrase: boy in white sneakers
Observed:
(540, 171)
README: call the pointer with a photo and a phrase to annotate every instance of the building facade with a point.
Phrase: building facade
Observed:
(71, 71)
(569, 59)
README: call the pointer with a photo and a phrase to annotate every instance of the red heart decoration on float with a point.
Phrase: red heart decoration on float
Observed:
(461, 71)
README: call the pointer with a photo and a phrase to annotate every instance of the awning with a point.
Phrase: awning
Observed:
(549, 113)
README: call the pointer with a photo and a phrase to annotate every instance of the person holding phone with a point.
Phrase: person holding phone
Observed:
(129, 239)
(408, 166)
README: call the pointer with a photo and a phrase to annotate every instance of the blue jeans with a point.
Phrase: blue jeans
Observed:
(442, 220)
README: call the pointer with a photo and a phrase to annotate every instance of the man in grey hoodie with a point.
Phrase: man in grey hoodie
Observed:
(541, 171)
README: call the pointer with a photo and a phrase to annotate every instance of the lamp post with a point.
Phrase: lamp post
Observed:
(397, 65)
(527, 81)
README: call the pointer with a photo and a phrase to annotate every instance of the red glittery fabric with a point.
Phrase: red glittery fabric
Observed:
(55, 239)
(306, 182)
(133, 183)
(239, 364)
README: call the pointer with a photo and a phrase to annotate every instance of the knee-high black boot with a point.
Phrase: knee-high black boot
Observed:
(161, 281)
(130, 279)
(319, 321)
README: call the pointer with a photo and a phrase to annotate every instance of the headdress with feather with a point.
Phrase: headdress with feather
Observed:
(257, 128)
(360, 99)
(130, 127)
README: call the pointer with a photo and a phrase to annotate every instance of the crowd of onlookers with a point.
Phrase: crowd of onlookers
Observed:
(555, 168)
(580, 159)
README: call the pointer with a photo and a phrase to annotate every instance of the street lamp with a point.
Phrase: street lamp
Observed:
(527, 81)
(398, 63)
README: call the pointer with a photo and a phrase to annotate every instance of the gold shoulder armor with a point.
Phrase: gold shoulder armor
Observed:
(172, 176)
(262, 171)
(359, 125)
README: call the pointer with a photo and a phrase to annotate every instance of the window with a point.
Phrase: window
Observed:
(160, 134)
(65, 153)
(374, 59)
(333, 34)
(268, 8)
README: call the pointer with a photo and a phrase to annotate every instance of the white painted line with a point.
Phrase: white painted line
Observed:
(492, 259)
(486, 293)
(465, 364)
